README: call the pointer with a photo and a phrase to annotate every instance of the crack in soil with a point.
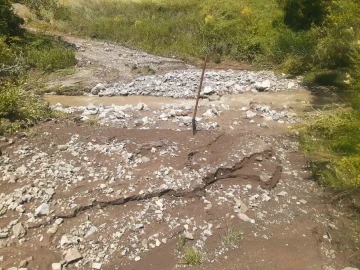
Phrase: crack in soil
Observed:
(199, 191)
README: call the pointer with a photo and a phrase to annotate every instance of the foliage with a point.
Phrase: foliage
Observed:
(20, 108)
(333, 142)
(180, 242)
(232, 236)
(191, 257)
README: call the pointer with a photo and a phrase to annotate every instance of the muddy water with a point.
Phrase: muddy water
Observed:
(301, 100)
(152, 102)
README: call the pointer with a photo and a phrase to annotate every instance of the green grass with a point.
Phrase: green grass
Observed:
(180, 243)
(191, 257)
(333, 143)
(232, 236)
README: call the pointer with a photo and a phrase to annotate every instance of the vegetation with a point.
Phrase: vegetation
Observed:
(181, 241)
(191, 257)
(19, 52)
(232, 236)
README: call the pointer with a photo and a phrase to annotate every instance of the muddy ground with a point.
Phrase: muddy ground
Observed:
(124, 184)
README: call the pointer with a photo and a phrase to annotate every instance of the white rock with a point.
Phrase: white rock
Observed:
(303, 201)
(189, 236)
(91, 231)
(56, 266)
(137, 258)
(96, 266)
(245, 218)
(250, 114)
(42, 210)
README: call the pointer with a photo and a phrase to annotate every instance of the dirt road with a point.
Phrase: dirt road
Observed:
(123, 183)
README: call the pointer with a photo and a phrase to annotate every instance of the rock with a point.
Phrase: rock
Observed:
(350, 268)
(4, 235)
(56, 266)
(96, 266)
(42, 210)
(145, 159)
(245, 218)
(139, 226)
(207, 233)
(19, 231)
(73, 255)
(64, 241)
(137, 258)
(261, 86)
(276, 117)
(282, 194)
(59, 221)
(259, 158)
(62, 147)
(303, 201)
(208, 90)
(90, 232)
(140, 106)
(23, 263)
(189, 236)
(250, 114)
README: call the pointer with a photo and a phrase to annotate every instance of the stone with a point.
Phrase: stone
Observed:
(245, 218)
(62, 147)
(96, 266)
(207, 233)
(19, 231)
(4, 235)
(189, 236)
(282, 194)
(208, 90)
(42, 210)
(137, 258)
(350, 268)
(250, 114)
(73, 255)
(261, 86)
(64, 241)
(91, 231)
(303, 201)
(23, 263)
(56, 266)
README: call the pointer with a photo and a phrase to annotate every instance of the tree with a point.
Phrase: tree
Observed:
(9, 22)
(302, 14)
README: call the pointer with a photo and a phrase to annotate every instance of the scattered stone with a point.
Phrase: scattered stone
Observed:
(137, 258)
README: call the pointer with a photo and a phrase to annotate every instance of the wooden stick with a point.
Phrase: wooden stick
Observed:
(198, 96)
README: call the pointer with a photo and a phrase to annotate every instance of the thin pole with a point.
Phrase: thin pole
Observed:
(198, 95)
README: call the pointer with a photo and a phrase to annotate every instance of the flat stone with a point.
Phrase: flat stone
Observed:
(56, 266)
(303, 201)
(96, 266)
(250, 114)
(73, 255)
